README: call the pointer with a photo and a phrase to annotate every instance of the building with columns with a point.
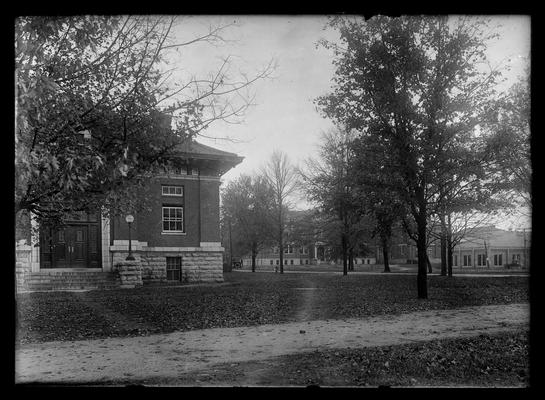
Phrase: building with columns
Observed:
(493, 247)
(178, 239)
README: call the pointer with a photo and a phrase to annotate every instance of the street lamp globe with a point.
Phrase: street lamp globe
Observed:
(129, 219)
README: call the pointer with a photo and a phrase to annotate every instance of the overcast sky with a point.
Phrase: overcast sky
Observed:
(284, 116)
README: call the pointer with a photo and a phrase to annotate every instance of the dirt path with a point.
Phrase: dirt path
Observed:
(169, 355)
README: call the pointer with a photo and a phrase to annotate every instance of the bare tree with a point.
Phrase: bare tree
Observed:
(246, 204)
(97, 104)
(328, 183)
(282, 177)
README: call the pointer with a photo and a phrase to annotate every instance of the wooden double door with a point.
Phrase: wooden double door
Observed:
(75, 245)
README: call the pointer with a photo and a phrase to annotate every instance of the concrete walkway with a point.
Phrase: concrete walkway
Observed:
(169, 355)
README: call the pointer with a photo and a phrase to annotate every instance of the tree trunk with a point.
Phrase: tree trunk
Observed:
(351, 259)
(449, 259)
(443, 247)
(281, 235)
(428, 262)
(422, 279)
(450, 248)
(385, 254)
(345, 254)
(281, 249)
(254, 254)
(486, 255)
(230, 247)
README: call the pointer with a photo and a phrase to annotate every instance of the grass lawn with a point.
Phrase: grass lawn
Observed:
(247, 299)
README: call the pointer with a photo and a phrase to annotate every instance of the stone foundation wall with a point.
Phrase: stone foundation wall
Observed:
(130, 274)
(23, 266)
(154, 266)
(205, 266)
(197, 266)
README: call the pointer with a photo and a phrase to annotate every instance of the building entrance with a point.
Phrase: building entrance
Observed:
(75, 245)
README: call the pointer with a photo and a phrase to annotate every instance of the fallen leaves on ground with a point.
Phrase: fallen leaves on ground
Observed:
(250, 299)
(500, 359)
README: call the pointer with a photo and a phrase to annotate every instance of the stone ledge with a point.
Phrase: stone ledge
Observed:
(182, 249)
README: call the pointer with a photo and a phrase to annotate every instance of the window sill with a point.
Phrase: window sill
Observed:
(173, 233)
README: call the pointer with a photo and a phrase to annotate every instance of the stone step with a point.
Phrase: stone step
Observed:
(64, 284)
(59, 280)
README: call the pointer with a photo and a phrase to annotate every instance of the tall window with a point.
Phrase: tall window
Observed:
(174, 268)
(498, 259)
(169, 190)
(467, 260)
(173, 219)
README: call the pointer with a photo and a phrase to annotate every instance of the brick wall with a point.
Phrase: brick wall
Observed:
(210, 220)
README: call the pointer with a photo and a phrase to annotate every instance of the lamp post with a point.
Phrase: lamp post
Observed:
(129, 219)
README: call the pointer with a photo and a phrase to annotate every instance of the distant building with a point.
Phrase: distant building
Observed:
(481, 247)
(303, 247)
(498, 247)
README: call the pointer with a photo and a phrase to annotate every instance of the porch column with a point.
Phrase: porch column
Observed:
(35, 245)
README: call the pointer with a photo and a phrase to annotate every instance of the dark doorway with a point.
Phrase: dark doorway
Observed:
(75, 245)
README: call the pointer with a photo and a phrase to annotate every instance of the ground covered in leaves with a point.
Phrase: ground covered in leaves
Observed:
(247, 299)
(495, 360)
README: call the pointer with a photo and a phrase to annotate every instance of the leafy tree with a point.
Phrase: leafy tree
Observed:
(246, 206)
(413, 84)
(329, 185)
(281, 176)
(510, 141)
(375, 192)
(96, 108)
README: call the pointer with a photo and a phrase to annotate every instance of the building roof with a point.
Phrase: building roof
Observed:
(222, 161)
(195, 149)
(496, 237)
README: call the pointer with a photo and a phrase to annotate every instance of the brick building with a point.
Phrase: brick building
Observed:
(177, 240)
